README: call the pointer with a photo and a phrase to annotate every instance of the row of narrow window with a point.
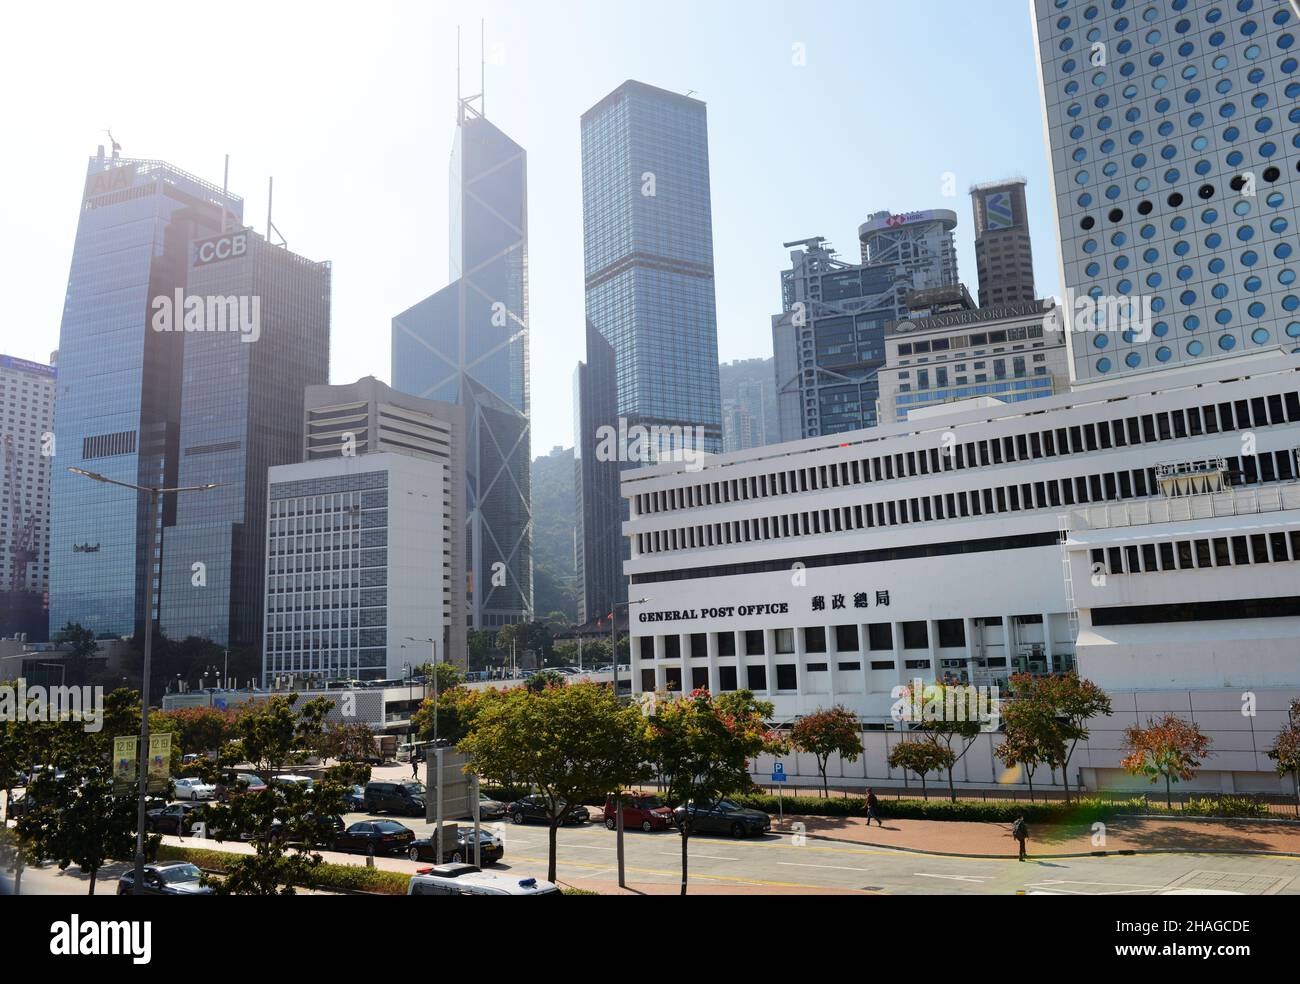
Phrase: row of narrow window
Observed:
(1267, 466)
(1183, 555)
(1211, 418)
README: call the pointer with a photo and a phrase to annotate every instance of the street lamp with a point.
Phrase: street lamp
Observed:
(429, 774)
(155, 494)
(613, 653)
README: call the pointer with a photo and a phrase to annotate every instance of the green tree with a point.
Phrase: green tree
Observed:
(572, 744)
(455, 715)
(827, 732)
(80, 820)
(286, 824)
(1071, 701)
(920, 757)
(202, 729)
(349, 741)
(543, 679)
(701, 748)
(1171, 749)
(1031, 738)
(948, 718)
(272, 733)
(83, 647)
(1286, 749)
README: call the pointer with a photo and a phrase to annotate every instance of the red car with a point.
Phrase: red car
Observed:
(646, 812)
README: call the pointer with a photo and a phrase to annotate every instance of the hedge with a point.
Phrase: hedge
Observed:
(327, 877)
(1086, 810)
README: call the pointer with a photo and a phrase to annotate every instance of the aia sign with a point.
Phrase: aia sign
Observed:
(114, 179)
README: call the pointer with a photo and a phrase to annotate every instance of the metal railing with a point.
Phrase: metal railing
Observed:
(1236, 502)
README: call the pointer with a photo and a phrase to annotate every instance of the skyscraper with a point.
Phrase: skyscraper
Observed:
(748, 403)
(468, 344)
(26, 426)
(118, 405)
(828, 341)
(648, 256)
(1172, 147)
(241, 413)
(1003, 257)
(601, 547)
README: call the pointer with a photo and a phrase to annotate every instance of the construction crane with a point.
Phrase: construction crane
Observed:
(22, 532)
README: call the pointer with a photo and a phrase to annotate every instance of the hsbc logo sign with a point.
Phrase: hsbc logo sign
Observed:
(903, 219)
(114, 179)
(221, 248)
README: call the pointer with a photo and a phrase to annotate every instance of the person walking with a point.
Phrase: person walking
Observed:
(872, 805)
(1020, 832)
(415, 766)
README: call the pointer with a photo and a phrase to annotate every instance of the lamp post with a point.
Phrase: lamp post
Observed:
(429, 773)
(613, 653)
(155, 494)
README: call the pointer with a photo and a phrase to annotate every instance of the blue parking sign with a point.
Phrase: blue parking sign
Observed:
(778, 772)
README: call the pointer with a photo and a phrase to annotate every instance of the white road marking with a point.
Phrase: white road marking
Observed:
(965, 878)
(835, 867)
(710, 857)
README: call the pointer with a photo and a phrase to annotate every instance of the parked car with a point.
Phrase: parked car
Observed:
(465, 879)
(385, 836)
(490, 809)
(302, 782)
(169, 878)
(725, 817)
(193, 788)
(462, 850)
(355, 799)
(335, 822)
(535, 808)
(647, 812)
(406, 798)
(177, 819)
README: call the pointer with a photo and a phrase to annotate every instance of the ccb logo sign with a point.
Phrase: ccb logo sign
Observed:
(221, 248)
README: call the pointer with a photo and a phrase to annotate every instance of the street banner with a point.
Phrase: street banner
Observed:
(160, 759)
(124, 756)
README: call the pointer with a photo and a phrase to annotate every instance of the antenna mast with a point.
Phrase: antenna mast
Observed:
(270, 226)
(466, 108)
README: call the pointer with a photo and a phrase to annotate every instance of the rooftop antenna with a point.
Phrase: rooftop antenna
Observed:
(116, 147)
(465, 103)
(225, 192)
(271, 230)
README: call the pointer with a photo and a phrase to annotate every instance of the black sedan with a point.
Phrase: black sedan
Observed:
(535, 809)
(178, 819)
(462, 851)
(169, 878)
(385, 836)
(724, 817)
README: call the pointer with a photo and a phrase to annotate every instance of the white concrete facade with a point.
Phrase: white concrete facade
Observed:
(355, 566)
(778, 560)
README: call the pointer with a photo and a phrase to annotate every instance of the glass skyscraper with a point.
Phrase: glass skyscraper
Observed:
(601, 546)
(118, 405)
(1173, 143)
(828, 342)
(648, 255)
(241, 413)
(468, 345)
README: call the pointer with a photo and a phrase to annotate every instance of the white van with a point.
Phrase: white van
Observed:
(465, 879)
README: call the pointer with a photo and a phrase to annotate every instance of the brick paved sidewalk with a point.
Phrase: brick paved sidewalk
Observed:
(994, 840)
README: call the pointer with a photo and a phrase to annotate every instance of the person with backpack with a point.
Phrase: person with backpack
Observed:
(1020, 831)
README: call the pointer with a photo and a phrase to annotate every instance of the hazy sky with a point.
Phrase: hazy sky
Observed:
(352, 108)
